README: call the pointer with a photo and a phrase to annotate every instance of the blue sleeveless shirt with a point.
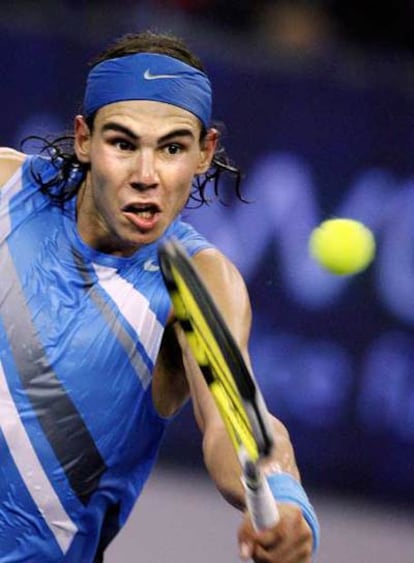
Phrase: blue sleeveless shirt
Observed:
(79, 336)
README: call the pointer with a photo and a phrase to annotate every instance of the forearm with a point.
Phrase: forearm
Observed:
(283, 478)
(223, 465)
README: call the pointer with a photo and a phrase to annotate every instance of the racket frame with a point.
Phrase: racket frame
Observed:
(181, 277)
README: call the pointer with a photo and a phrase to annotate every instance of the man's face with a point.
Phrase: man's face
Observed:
(143, 156)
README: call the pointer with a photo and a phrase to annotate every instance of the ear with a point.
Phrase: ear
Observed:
(208, 148)
(82, 139)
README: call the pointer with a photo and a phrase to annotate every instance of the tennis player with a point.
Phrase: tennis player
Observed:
(92, 366)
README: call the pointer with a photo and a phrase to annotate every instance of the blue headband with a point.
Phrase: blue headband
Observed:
(149, 76)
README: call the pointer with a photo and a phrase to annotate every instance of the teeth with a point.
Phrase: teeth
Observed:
(145, 214)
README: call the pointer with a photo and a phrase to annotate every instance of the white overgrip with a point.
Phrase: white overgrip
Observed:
(260, 501)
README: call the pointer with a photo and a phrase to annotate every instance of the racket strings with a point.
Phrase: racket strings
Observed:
(240, 435)
(228, 378)
(202, 341)
(210, 359)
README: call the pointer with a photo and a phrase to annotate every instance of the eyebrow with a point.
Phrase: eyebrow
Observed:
(113, 126)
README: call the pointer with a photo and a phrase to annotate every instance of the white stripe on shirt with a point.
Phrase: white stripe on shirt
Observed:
(31, 471)
(10, 189)
(135, 308)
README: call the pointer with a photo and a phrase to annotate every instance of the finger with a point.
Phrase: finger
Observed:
(272, 537)
(281, 554)
(298, 551)
(245, 551)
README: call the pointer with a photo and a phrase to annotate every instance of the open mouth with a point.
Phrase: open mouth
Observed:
(143, 211)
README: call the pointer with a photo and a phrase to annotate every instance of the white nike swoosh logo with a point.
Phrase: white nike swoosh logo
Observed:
(151, 266)
(149, 76)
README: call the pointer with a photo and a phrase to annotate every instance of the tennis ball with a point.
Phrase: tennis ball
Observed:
(342, 246)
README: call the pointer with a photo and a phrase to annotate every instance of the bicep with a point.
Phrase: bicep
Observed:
(229, 293)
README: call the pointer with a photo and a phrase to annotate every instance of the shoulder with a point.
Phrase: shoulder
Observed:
(227, 287)
(10, 161)
(213, 263)
(188, 236)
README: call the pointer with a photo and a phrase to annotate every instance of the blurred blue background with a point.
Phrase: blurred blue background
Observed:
(317, 99)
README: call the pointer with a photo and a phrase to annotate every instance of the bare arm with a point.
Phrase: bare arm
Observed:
(291, 539)
(230, 294)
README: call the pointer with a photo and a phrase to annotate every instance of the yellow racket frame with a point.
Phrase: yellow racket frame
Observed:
(208, 355)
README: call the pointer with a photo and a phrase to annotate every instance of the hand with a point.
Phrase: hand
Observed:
(290, 541)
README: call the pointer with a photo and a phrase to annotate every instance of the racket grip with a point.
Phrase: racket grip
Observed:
(260, 501)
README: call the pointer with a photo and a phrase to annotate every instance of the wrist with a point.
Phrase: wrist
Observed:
(285, 488)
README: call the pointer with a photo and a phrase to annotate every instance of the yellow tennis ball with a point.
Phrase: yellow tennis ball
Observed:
(342, 246)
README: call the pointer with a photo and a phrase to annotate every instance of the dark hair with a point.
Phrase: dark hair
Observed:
(62, 188)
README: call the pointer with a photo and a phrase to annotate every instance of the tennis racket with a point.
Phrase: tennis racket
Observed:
(230, 381)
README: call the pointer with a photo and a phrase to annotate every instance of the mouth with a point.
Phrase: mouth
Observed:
(143, 217)
(144, 211)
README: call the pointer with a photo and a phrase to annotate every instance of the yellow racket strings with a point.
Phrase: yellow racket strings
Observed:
(207, 353)
(239, 434)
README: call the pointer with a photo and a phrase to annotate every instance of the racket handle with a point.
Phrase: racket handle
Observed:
(260, 501)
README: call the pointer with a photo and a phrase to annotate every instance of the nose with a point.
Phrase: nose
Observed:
(144, 174)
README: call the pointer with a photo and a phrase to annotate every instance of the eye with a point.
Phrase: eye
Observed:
(173, 148)
(122, 144)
